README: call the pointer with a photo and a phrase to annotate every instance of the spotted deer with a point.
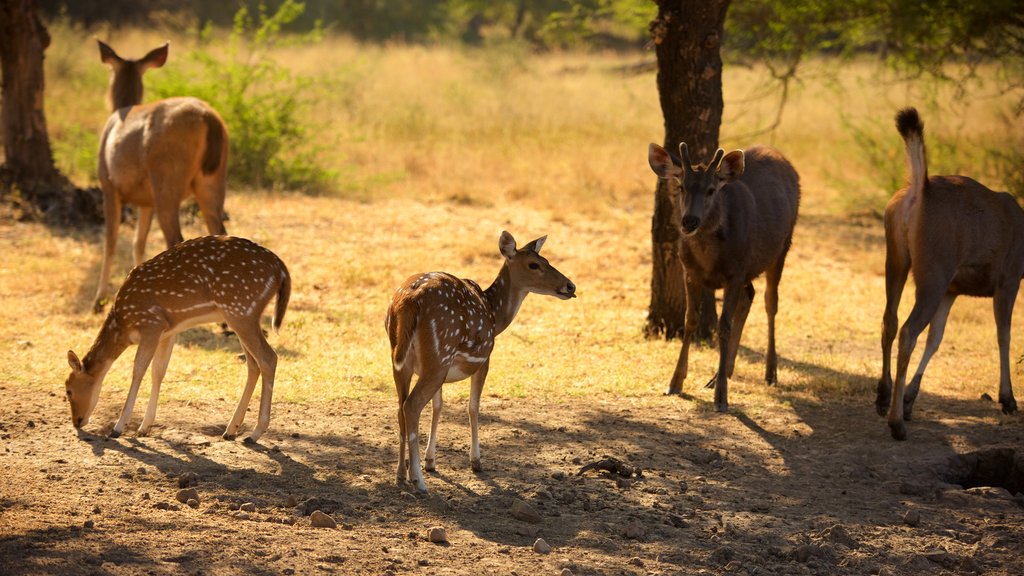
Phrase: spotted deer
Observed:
(442, 328)
(154, 156)
(956, 237)
(737, 218)
(206, 279)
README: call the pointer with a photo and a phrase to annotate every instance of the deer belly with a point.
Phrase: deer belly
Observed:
(463, 366)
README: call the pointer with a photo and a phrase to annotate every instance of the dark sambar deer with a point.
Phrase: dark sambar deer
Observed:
(154, 156)
(957, 237)
(737, 219)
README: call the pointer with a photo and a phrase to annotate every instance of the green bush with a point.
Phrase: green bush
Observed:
(260, 100)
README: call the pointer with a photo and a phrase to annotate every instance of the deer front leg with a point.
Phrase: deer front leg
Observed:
(476, 388)
(435, 418)
(1003, 307)
(733, 293)
(143, 356)
(161, 359)
(690, 322)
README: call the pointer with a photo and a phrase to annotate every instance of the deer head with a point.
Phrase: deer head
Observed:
(83, 391)
(697, 184)
(126, 80)
(531, 272)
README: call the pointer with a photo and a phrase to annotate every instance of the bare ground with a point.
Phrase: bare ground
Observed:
(810, 489)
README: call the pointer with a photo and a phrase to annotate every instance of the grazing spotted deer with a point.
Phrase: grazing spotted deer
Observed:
(738, 214)
(956, 237)
(154, 156)
(442, 329)
(206, 279)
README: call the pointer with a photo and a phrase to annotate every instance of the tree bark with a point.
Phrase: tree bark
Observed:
(29, 176)
(687, 37)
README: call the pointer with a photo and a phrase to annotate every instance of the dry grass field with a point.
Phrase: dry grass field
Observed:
(438, 151)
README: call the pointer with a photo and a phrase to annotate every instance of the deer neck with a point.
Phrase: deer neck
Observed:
(125, 91)
(504, 299)
(107, 347)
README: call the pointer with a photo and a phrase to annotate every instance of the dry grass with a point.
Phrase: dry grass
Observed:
(440, 150)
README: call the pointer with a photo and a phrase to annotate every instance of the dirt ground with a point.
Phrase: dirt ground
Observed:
(812, 489)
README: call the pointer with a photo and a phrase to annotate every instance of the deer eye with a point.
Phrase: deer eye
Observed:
(534, 266)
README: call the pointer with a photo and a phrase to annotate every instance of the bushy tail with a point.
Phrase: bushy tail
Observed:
(216, 138)
(283, 294)
(912, 129)
(401, 325)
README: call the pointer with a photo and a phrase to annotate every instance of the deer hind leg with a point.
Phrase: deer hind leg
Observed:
(259, 352)
(148, 343)
(771, 307)
(403, 377)
(897, 266)
(1002, 304)
(426, 386)
(161, 359)
(141, 233)
(735, 293)
(936, 329)
(209, 192)
(111, 225)
(690, 321)
(739, 320)
(435, 418)
(476, 388)
(169, 187)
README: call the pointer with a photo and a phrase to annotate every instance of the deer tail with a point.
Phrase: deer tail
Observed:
(909, 124)
(284, 293)
(216, 143)
(401, 325)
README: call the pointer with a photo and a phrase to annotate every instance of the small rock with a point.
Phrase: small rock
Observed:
(192, 503)
(634, 531)
(994, 492)
(88, 524)
(565, 572)
(541, 547)
(437, 535)
(320, 520)
(289, 520)
(912, 518)
(187, 494)
(96, 510)
(242, 515)
(291, 502)
(166, 506)
(636, 561)
(187, 479)
(423, 562)
(559, 476)
(543, 495)
(523, 511)
(526, 530)
(145, 495)
(141, 470)
(985, 396)
(248, 507)
(624, 483)
(683, 486)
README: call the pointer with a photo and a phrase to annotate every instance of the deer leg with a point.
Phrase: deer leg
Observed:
(928, 299)
(425, 388)
(161, 359)
(733, 294)
(403, 377)
(693, 291)
(168, 189)
(936, 329)
(476, 388)
(435, 418)
(209, 194)
(739, 320)
(111, 225)
(148, 343)
(259, 350)
(141, 233)
(771, 307)
(1002, 304)
(897, 266)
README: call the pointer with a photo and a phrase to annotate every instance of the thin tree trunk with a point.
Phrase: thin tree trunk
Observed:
(687, 36)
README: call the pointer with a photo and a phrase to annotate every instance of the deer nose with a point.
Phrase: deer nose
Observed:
(570, 287)
(690, 223)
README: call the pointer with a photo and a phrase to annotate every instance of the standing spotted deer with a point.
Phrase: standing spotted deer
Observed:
(154, 156)
(738, 214)
(956, 237)
(442, 329)
(206, 279)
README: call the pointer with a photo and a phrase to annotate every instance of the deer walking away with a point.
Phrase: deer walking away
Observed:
(956, 237)
(442, 329)
(154, 156)
(737, 218)
(206, 279)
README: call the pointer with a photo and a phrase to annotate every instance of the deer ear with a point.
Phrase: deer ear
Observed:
(507, 245)
(536, 244)
(731, 166)
(156, 58)
(107, 54)
(74, 362)
(662, 163)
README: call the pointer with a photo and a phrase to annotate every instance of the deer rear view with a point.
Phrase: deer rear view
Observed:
(154, 156)
(737, 217)
(956, 237)
(207, 279)
(442, 329)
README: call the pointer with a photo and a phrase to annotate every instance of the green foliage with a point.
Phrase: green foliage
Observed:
(75, 152)
(260, 100)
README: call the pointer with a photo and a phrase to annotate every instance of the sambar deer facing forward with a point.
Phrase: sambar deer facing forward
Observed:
(957, 237)
(206, 279)
(154, 156)
(442, 328)
(738, 214)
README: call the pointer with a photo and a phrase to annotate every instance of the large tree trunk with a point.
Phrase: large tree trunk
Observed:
(687, 36)
(29, 176)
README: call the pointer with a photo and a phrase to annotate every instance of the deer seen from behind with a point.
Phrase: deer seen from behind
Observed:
(442, 329)
(737, 218)
(154, 156)
(956, 237)
(206, 279)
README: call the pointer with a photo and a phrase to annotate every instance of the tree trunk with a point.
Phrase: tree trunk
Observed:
(29, 176)
(687, 36)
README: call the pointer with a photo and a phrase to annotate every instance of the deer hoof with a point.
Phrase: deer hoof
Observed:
(674, 391)
(475, 464)
(99, 305)
(249, 440)
(421, 487)
(114, 433)
(229, 437)
(898, 430)
(721, 406)
(428, 465)
(1010, 406)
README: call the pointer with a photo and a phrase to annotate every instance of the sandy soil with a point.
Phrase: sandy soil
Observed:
(812, 489)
